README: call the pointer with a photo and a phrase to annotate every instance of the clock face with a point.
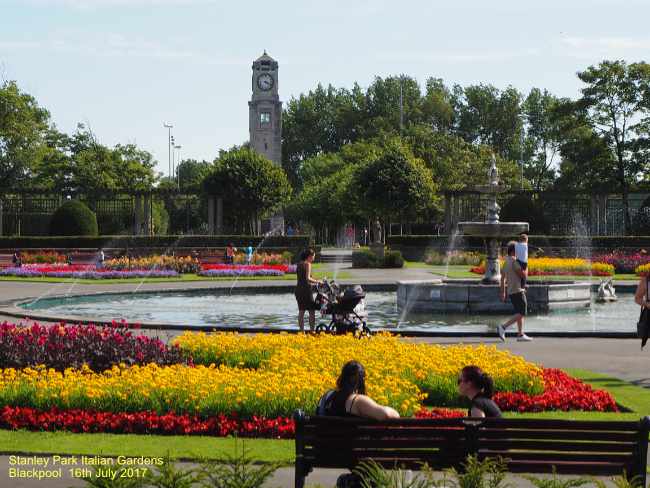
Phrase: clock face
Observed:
(265, 81)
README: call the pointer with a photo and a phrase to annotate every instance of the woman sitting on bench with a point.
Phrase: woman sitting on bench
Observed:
(478, 386)
(350, 400)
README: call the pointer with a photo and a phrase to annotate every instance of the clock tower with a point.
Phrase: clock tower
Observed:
(265, 110)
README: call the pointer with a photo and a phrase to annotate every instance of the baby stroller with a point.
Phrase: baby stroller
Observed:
(346, 308)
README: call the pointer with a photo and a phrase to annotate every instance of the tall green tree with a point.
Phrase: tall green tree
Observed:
(396, 185)
(616, 102)
(250, 185)
(437, 106)
(23, 129)
(487, 115)
(455, 164)
(541, 150)
(191, 173)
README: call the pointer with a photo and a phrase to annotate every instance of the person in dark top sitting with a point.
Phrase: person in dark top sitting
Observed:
(350, 399)
(478, 386)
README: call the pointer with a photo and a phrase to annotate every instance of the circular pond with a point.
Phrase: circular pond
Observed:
(278, 311)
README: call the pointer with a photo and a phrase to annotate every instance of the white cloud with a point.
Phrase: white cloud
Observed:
(458, 57)
(117, 45)
(85, 4)
(604, 46)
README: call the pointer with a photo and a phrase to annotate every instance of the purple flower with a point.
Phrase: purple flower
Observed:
(291, 269)
(87, 275)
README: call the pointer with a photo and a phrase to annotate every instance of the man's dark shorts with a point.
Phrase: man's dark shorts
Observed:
(519, 302)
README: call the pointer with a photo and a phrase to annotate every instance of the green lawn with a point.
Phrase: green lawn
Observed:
(178, 447)
(266, 450)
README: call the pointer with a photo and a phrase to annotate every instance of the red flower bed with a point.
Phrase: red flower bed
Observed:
(249, 267)
(561, 392)
(439, 413)
(152, 423)
(53, 268)
(143, 423)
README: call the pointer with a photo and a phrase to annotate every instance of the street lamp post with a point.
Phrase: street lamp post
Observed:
(178, 173)
(173, 171)
(169, 128)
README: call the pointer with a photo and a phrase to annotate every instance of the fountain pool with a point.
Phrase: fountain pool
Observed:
(275, 311)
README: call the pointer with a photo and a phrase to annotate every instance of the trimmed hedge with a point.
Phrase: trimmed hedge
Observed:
(368, 259)
(73, 218)
(151, 241)
(414, 248)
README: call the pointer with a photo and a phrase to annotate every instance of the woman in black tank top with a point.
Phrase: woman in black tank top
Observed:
(303, 292)
(478, 386)
(350, 399)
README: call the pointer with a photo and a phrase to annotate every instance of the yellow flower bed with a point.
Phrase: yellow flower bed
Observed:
(432, 368)
(269, 375)
(181, 264)
(567, 266)
(561, 266)
(643, 270)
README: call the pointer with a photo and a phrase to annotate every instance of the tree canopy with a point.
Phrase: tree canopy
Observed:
(249, 184)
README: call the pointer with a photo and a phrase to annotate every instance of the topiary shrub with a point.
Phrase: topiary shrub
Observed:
(73, 218)
(393, 259)
(521, 208)
(365, 259)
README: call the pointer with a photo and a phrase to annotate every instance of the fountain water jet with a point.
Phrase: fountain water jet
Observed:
(482, 296)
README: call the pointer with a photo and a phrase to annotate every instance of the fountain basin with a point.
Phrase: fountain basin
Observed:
(496, 230)
(473, 296)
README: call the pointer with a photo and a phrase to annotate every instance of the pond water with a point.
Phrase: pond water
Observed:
(275, 310)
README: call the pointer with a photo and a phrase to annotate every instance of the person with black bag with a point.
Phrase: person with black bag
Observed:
(642, 298)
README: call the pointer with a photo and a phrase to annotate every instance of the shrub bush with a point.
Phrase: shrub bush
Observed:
(365, 259)
(73, 218)
(454, 258)
(393, 259)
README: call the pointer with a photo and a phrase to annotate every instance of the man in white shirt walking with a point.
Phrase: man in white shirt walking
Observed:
(511, 280)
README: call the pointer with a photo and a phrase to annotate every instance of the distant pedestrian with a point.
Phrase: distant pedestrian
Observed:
(16, 259)
(101, 257)
(230, 253)
(249, 253)
(511, 276)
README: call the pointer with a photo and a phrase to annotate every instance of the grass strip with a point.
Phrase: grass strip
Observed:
(178, 447)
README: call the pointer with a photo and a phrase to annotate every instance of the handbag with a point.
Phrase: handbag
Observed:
(643, 325)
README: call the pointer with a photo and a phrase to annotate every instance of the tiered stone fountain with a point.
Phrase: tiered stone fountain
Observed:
(482, 296)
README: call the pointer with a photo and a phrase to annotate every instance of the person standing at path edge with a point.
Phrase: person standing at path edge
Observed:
(303, 293)
(511, 277)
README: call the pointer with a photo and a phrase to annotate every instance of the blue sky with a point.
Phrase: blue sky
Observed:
(126, 66)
